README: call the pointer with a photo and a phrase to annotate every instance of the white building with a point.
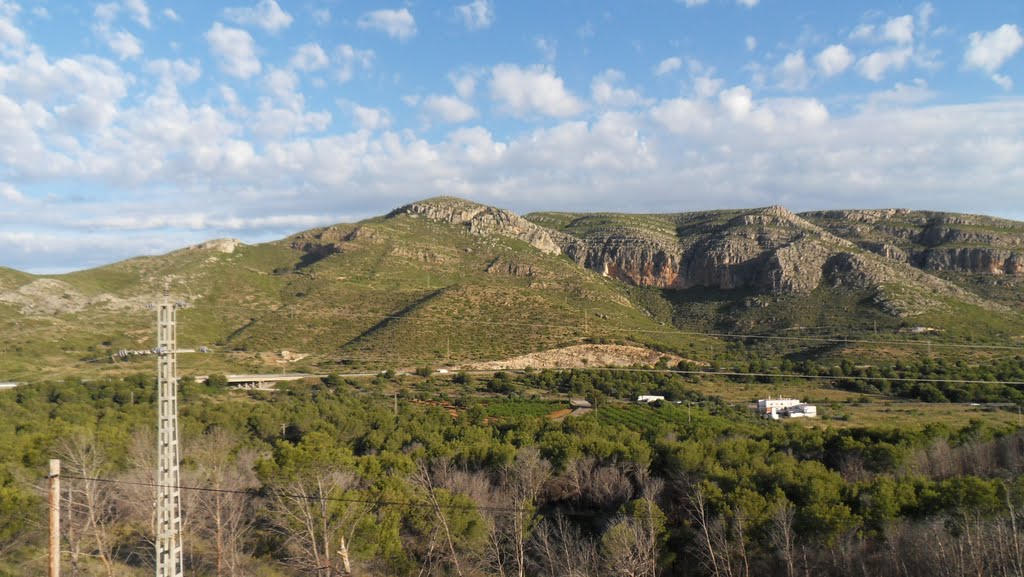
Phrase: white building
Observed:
(649, 398)
(784, 407)
(802, 410)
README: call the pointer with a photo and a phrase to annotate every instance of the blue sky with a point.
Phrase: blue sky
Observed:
(138, 127)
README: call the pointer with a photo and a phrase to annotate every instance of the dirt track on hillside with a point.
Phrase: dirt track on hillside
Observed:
(580, 357)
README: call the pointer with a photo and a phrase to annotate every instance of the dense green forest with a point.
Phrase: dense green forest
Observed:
(464, 475)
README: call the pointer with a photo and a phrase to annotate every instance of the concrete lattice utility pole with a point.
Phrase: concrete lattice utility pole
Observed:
(169, 559)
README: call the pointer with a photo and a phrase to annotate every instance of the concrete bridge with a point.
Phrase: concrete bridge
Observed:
(260, 381)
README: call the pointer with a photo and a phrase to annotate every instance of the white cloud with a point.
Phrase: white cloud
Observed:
(11, 194)
(692, 3)
(139, 11)
(792, 72)
(370, 118)
(175, 71)
(106, 13)
(737, 101)
(899, 29)
(70, 94)
(1004, 82)
(171, 15)
(41, 12)
(751, 43)
(706, 86)
(900, 95)
(736, 114)
(10, 34)
(322, 17)
(834, 60)
(234, 104)
(275, 124)
(476, 15)
(605, 91)
(282, 85)
(449, 108)
(125, 44)
(234, 50)
(747, 3)
(924, 16)
(800, 112)
(668, 65)
(683, 116)
(308, 58)
(529, 91)
(875, 65)
(349, 58)
(988, 51)
(464, 84)
(398, 24)
(474, 147)
(862, 32)
(266, 14)
(284, 114)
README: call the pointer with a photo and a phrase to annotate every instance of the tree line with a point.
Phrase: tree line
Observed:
(326, 478)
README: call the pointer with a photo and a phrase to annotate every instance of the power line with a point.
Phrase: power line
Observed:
(250, 494)
(815, 377)
(411, 361)
(604, 329)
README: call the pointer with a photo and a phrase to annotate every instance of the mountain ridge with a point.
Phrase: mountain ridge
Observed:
(448, 278)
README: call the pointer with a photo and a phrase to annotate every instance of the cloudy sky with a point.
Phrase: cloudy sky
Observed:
(140, 126)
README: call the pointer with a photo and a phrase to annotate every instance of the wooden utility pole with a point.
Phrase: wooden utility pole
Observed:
(54, 477)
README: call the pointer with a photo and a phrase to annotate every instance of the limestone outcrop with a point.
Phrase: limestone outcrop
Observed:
(483, 220)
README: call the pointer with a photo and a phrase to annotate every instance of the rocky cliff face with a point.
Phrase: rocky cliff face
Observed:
(931, 241)
(769, 250)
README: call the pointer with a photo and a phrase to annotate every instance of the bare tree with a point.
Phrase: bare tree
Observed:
(710, 534)
(137, 496)
(586, 479)
(224, 514)
(782, 536)
(562, 551)
(738, 533)
(90, 507)
(315, 522)
(522, 485)
(632, 543)
(508, 503)
(428, 478)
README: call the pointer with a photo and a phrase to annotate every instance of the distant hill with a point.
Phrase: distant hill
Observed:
(448, 281)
